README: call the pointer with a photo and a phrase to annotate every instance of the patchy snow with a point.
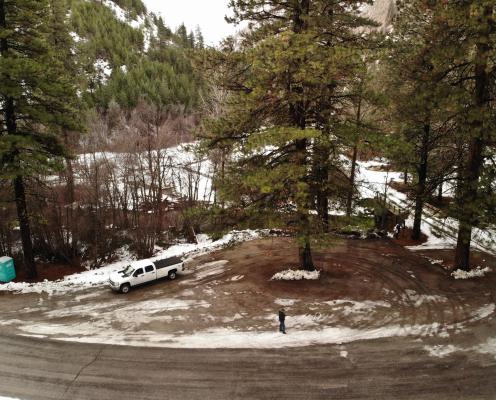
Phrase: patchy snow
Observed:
(441, 231)
(350, 307)
(483, 312)
(232, 338)
(440, 350)
(188, 174)
(236, 317)
(75, 37)
(207, 270)
(343, 354)
(295, 275)
(285, 302)
(103, 69)
(489, 347)
(124, 16)
(477, 272)
(419, 299)
(434, 261)
(100, 276)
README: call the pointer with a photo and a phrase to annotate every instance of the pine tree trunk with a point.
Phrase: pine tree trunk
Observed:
(22, 216)
(297, 112)
(421, 186)
(71, 198)
(305, 255)
(468, 197)
(349, 199)
(321, 178)
(468, 192)
(440, 193)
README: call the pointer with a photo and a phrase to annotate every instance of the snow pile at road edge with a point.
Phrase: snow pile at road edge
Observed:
(99, 277)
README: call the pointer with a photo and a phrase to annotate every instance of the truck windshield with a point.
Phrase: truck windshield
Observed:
(128, 271)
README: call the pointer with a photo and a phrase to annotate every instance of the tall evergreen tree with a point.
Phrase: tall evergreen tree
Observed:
(36, 96)
(288, 79)
(423, 115)
(474, 25)
(200, 42)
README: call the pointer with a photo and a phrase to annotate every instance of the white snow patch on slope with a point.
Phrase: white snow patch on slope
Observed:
(295, 275)
(188, 173)
(123, 16)
(103, 69)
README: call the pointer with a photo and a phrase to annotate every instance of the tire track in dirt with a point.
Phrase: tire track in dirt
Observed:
(447, 309)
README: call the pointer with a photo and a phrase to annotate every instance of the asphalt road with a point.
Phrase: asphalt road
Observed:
(396, 368)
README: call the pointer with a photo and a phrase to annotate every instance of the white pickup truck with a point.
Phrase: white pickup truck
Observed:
(143, 271)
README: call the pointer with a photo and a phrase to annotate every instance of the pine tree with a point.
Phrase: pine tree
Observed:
(182, 36)
(200, 42)
(191, 40)
(288, 80)
(420, 99)
(475, 22)
(37, 98)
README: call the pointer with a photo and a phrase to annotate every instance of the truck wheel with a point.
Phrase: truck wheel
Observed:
(172, 275)
(125, 288)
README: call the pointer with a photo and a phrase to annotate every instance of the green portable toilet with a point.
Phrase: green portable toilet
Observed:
(7, 270)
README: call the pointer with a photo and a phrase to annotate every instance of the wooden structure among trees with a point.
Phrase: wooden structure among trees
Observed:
(387, 214)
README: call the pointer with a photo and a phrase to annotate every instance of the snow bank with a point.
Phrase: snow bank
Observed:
(295, 275)
(100, 276)
(477, 272)
(216, 338)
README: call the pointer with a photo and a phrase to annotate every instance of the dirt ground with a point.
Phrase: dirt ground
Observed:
(405, 238)
(384, 323)
(365, 285)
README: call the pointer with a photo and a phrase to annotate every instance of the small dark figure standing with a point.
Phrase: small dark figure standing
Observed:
(397, 230)
(282, 317)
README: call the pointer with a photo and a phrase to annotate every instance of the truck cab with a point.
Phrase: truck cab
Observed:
(143, 271)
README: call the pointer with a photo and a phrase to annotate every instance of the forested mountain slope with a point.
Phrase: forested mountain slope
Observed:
(118, 80)
(126, 53)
